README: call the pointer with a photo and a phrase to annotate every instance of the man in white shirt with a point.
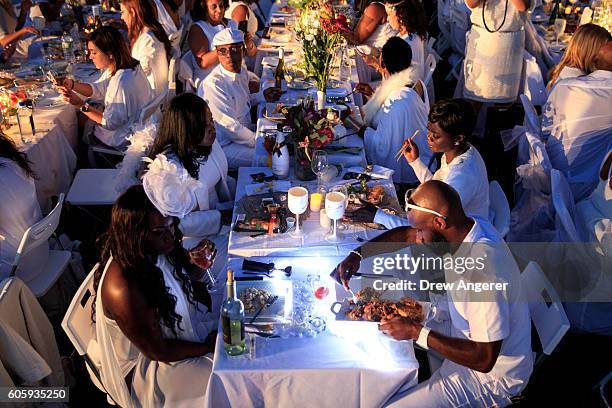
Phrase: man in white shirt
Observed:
(486, 343)
(577, 124)
(226, 90)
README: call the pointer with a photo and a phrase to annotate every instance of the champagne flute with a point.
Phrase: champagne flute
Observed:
(334, 208)
(297, 201)
(319, 164)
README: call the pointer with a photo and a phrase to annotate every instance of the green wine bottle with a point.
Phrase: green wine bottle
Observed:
(555, 13)
(232, 320)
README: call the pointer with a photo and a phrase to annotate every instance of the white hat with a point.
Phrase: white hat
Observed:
(228, 36)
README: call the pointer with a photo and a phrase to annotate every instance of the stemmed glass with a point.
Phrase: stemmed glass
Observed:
(341, 188)
(204, 259)
(297, 201)
(319, 164)
(559, 28)
(335, 203)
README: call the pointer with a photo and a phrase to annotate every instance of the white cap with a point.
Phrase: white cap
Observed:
(228, 36)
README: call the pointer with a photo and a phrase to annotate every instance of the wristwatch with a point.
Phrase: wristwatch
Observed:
(85, 107)
(422, 340)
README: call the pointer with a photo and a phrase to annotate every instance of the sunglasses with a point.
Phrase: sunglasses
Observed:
(234, 49)
(410, 205)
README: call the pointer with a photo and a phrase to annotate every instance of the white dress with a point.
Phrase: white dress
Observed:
(151, 54)
(165, 19)
(19, 209)
(381, 34)
(125, 94)
(577, 128)
(494, 60)
(155, 383)
(418, 53)
(199, 74)
(251, 20)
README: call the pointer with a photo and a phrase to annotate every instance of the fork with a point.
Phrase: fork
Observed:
(265, 306)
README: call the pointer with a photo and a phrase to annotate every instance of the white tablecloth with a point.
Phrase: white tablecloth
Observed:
(52, 151)
(334, 369)
(313, 242)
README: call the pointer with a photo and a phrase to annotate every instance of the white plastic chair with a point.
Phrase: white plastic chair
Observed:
(172, 73)
(39, 234)
(430, 66)
(94, 187)
(79, 327)
(545, 308)
(532, 120)
(151, 108)
(565, 210)
(501, 208)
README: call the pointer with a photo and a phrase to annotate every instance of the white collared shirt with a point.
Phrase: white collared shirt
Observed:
(499, 315)
(577, 128)
(228, 97)
(125, 95)
(151, 54)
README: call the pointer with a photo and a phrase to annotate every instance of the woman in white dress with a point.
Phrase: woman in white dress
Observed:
(372, 29)
(149, 43)
(155, 325)
(123, 87)
(579, 57)
(208, 17)
(494, 50)
(408, 17)
(12, 30)
(186, 143)
(241, 11)
(19, 210)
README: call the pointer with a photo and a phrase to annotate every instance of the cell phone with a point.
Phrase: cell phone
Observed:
(266, 33)
(242, 26)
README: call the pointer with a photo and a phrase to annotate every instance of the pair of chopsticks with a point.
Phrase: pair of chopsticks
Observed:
(400, 152)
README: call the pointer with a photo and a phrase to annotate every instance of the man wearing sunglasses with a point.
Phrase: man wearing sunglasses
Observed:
(226, 90)
(486, 343)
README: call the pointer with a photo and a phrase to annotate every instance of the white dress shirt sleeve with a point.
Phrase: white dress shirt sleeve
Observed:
(100, 86)
(390, 221)
(201, 223)
(421, 170)
(116, 106)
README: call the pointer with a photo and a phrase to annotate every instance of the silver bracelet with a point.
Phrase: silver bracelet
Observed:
(356, 253)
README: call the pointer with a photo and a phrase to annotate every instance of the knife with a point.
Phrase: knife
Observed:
(248, 278)
(264, 306)
(372, 275)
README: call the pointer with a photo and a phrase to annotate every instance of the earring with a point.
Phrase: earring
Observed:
(456, 143)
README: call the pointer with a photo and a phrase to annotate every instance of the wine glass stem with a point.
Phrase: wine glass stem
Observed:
(335, 228)
(319, 181)
(297, 223)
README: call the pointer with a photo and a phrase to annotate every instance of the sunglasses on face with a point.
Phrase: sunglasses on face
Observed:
(410, 205)
(234, 49)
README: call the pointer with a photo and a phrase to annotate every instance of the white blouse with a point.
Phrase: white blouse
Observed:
(199, 74)
(125, 95)
(494, 16)
(251, 20)
(19, 210)
(151, 54)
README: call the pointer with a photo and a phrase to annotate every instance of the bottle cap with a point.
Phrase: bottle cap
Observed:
(230, 275)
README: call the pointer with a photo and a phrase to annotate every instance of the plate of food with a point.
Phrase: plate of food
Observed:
(266, 301)
(372, 306)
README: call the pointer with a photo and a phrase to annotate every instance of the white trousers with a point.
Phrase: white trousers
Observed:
(450, 386)
(238, 155)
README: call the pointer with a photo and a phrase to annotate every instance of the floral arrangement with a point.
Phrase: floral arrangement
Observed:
(300, 4)
(320, 34)
(9, 101)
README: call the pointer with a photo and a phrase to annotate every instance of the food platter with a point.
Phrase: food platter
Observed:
(282, 308)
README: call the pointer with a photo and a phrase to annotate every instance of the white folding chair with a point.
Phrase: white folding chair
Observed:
(545, 309)
(81, 330)
(532, 120)
(565, 210)
(501, 208)
(153, 106)
(175, 38)
(39, 234)
(172, 72)
(430, 66)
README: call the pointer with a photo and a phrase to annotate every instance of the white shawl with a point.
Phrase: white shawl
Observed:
(396, 81)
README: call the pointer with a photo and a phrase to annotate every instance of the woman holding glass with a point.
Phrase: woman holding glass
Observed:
(123, 87)
(186, 146)
(148, 41)
(494, 50)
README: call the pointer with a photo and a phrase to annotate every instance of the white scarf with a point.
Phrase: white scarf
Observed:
(396, 81)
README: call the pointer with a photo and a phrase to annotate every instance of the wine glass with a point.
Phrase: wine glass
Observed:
(204, 258)
(319, 287)
(341, 188)
(335, 203)
(297, 201)
(319, 164)
(559, 28)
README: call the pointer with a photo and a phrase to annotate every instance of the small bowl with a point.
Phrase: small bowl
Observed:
(290, 222)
